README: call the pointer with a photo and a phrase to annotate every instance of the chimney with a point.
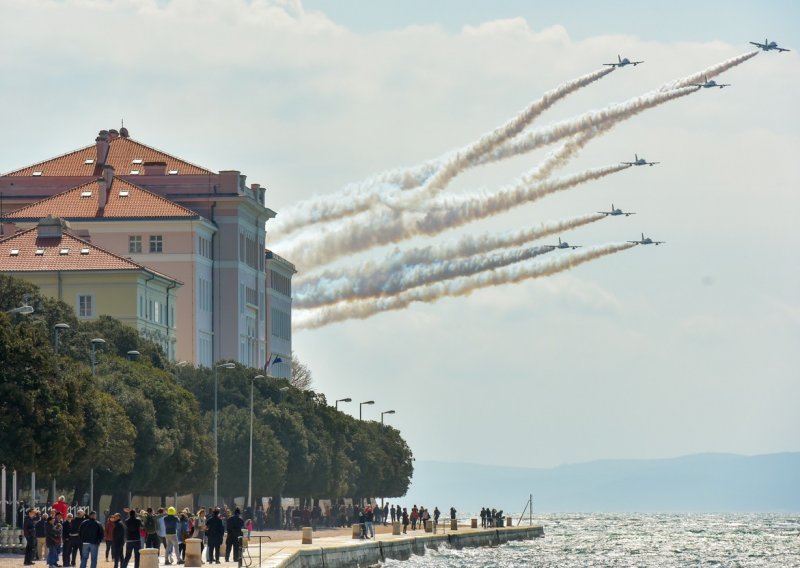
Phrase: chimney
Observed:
(102, 193)
(124, 132)
(155, 168)
(102, 145)
(113, 134)
(108, 175)
(49, 228)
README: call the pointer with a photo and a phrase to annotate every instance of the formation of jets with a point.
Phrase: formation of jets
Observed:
(639, 162)
(768, 46)
(711, 84)
(623, 61)
(616, 212)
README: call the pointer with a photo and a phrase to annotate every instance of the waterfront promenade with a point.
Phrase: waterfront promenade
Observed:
(336, 547)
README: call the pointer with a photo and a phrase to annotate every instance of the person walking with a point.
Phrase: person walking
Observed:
(369, 518)
(91, 534)
(54, 534)
(29, 531)
(215, 530)
(133, 539)
(108, 534)
(171, 527)
(74, 537)
(235, 525)
(150, 525)
(200, 529)
(117, 539)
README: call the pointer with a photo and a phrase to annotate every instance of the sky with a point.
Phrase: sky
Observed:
(651, 352)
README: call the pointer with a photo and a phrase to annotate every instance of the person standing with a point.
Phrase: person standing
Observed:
(386, 513)
(150, 524)
(235, 525)
(117, 539)
(54, 534)
(108, 534)
(91, 535)
(405, 520)
(41, 537)
(29, 531)
(133, 539)
(436, 513)
(66, 541)
(171, 527)
(393, 513)
(214, 529)
(61, 506)
(200, 529)
(74, 537)
(369, 520)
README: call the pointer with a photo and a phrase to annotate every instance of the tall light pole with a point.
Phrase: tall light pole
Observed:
(95, 342)
(250, 476)
(386, 412)
(56, 329)
(216, 433)
(343, 400)
(360, 404)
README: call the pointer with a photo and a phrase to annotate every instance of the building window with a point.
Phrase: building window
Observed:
(280, 283)
(85, 306)
(281, 324)
(156, 243)
(135, 243)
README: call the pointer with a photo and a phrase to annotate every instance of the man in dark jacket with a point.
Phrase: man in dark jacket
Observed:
(66, 528)
(117, 540)
(133, 539)
(91, 534)
(214, 529)
(74, 536)
(41, 537)
(235, 526)
(29, 530)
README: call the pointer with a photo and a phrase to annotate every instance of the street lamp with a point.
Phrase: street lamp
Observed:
(178, 366)
(342, 400)
(386, 412)
(23, 310)
(283, 391)
(216, 433)
(360, 404)
(95, 342)
(56, 328)
(132, 354)
(250, 475)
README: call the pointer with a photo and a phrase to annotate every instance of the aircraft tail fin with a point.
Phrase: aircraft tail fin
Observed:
(619, 57)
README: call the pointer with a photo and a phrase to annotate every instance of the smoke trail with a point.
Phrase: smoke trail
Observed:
(433, 175)
(390, 283)
(468, 245)
(395, 226)
(612, 114)
(459, 287)
(712, 71)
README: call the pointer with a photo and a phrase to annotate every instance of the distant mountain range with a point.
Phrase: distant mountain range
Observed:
(696, 483)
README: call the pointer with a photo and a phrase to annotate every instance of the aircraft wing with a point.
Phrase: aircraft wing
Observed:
(761, 45)
(635, 63)
(611, 64)
(635, 242)
(628, 163)
(782, 49)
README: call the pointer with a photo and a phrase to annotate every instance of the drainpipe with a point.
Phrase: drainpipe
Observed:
(166, 314)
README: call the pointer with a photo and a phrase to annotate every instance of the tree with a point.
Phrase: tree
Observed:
(301, 374)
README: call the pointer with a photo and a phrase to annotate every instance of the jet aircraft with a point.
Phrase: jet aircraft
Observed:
(769, 46)
(623, 61)
(615, 212)
(647, 241)
(639, 162)
(563, 245)
(711, 84)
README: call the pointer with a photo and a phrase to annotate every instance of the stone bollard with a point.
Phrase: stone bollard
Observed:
(307, 535)
(396, 527)
(509, 522)
(148, 558)
(356, 530)
(473, 523)
(429, 526)
(193, 559)
(453, 524)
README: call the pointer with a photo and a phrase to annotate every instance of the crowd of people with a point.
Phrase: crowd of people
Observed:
(56, 534)
(491, 517)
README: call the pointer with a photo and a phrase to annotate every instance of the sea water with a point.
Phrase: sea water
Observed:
(638, 540)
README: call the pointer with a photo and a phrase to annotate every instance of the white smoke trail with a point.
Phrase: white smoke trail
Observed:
(355, 235)
(309, 283)
(433, 176)
(459, 287)
(712, 71)
(529, 141)
(390, 283)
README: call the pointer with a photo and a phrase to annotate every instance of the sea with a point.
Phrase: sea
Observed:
(637, 540)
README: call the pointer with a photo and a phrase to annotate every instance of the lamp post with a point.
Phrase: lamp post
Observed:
(95, 342)
(386, 412)
(360, 404)
(343, 400)
(216, 433)
(24, 309)
(57, 328)
(250, 475)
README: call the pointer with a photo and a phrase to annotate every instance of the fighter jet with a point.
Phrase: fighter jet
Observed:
(563, 245)
(647, 241)
(711, 84)
(769, 46)
(639, 162)
(623, 61)
(615, 212)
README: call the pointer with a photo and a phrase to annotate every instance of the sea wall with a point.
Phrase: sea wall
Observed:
(370, 553)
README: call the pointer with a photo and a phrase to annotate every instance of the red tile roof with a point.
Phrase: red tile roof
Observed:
(125, 201)
(121, 154)
(18, 253)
